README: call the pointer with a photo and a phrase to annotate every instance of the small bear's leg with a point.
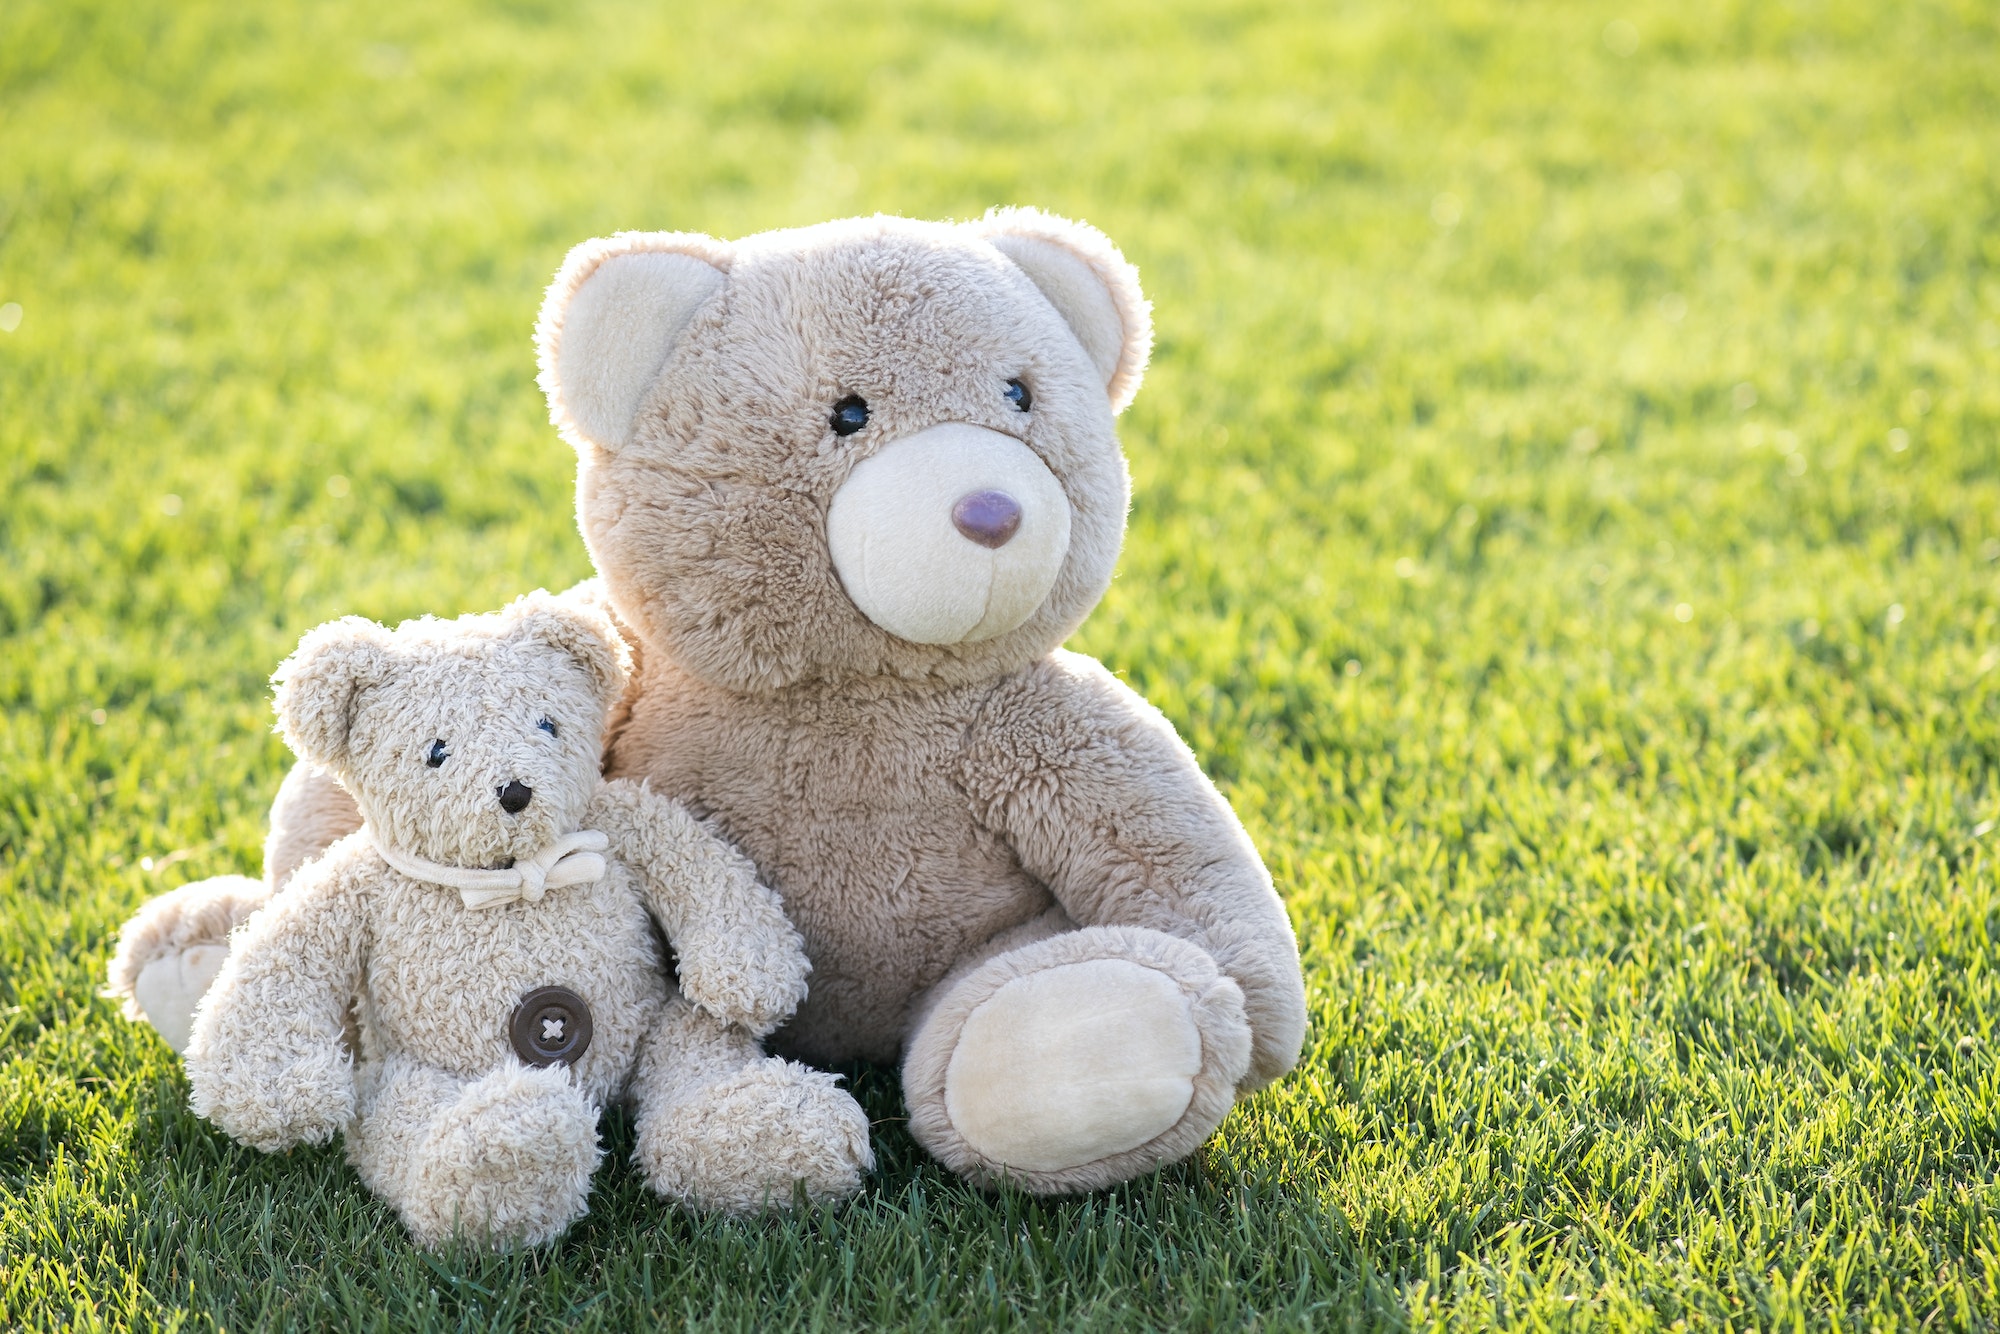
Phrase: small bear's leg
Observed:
(1069, 1060)
(723, 1127)
(503, 1160)
(171, 949)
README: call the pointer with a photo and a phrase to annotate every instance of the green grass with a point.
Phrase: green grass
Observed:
(1567, 512)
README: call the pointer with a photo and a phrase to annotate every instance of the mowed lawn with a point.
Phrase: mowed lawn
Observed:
(1567, 524)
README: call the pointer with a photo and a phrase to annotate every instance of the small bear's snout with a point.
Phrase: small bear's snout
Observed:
(990, 518)
(514, 797)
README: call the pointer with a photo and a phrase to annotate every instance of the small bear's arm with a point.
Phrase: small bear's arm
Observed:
(1104, 803)
(265, 1061)
(740, 958)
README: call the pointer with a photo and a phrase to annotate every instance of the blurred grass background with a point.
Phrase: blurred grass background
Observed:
(1566, 524)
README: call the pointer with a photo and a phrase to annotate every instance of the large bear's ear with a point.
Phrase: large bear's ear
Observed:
(613, 313)
(1089, 283)
(581, 631)
(317, 686)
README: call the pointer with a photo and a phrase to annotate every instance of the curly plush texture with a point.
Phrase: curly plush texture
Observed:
(440, 1116)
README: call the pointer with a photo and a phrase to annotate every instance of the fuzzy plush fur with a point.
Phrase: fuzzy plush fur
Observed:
(440, 1116)
(946, 820)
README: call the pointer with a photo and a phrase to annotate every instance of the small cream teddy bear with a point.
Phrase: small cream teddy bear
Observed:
(463, 983)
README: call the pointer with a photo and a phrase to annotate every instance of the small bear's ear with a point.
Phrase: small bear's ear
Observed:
(1089, 283)
(613, 313)
(317, 686)
(581, 631)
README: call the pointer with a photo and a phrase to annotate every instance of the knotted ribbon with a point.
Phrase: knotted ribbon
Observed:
(571, 860)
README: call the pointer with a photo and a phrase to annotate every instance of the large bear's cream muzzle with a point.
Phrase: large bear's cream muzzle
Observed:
(951, 535)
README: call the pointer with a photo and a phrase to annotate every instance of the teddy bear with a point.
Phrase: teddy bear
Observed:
(848, 488)
(462, 983)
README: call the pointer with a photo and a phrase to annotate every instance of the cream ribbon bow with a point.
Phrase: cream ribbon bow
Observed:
(571, 860)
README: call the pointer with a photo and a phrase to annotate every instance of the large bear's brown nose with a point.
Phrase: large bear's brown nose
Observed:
(514, 797)
(990, 518)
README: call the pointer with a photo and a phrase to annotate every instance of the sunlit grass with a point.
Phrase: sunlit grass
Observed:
(1567, 514)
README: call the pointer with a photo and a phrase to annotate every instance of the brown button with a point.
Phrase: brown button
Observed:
(551, 1026)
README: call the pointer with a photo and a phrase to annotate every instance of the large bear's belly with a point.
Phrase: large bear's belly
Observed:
(442, 982)
(850, 814)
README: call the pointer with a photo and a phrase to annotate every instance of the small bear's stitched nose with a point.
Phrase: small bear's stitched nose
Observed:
(514, 797)
(990, 518)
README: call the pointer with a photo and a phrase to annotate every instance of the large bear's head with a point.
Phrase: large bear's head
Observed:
(874, 447)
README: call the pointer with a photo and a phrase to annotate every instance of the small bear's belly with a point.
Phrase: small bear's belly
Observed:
(855, 822)
(442, 982)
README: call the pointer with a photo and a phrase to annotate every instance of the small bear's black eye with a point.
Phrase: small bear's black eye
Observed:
(438, 755)
(1017, 394)
(546, 725)
(849, 415)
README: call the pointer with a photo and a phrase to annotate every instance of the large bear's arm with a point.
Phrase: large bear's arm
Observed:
(740, 957)
(1103, 802)
(265, 1061)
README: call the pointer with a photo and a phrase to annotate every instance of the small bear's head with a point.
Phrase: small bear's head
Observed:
(471, 742)
(870, 448)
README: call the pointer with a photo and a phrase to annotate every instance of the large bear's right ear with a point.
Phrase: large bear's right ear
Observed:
(613, 313)
(318, 684)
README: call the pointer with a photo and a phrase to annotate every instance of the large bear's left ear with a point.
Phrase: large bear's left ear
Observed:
(609, 320)
(1090, 284)
(582, 632)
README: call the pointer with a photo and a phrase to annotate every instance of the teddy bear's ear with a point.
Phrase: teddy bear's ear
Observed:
(582, 632)
(613, 313)
(1089, 283)
(317, 686)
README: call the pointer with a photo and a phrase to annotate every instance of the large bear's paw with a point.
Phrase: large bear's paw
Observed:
(1078, 1061)
(170, 951)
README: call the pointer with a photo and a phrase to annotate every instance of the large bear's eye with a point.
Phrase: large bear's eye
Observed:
(849, 415)
(1017, 394)
(547, 725)
(438, 755)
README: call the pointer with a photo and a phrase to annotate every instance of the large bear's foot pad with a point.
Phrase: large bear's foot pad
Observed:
(750, 1140)
(1079, 1061)
(170, 951)
(507, 1164)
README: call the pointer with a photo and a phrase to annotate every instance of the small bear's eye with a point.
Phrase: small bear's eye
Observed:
(849, 415)
(546, 725)
(438, 755)
(1017, 394)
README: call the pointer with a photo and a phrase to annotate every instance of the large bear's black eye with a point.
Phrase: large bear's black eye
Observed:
(547, 725)
(849, 415)
(438, 755)
(1017, 394)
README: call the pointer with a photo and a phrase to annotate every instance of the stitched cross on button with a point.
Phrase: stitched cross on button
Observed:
(552, 1030)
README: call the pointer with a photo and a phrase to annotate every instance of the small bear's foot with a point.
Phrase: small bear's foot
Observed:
(171, 950)
(503, 1161)
(1078, 1061)
(722, 1127)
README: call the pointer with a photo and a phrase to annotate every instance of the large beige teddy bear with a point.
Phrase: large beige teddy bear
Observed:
(489, 933)
(849, 488)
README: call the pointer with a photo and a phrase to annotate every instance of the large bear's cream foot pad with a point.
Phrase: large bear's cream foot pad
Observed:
(503, 1160)
(171, 950)
(1078, 1061)
(722, 1127)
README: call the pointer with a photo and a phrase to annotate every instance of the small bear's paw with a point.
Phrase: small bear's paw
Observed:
(748, 1142)
(758, 989)
(273, 1105)
(507, 1164)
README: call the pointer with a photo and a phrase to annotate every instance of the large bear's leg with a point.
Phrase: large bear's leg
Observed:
(1070, 1059)
(721, 1126)
(172, 948)
(502, 1160)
